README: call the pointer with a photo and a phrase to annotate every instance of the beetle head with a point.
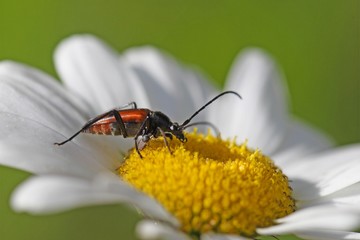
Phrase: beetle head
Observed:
(177, 131)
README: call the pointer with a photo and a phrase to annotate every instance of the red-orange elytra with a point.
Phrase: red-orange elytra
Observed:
(131, 118)
(141, 123)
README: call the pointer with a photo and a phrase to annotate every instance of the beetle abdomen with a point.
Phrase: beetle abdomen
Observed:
(132, 120)
(104, 129)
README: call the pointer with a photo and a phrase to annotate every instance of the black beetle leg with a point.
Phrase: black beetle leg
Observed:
(140, 133)
(165, 141)
(120, 123)
(169, 135)
(137, 147)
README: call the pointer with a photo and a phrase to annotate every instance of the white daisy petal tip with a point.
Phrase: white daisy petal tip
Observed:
(256, 68)
(328, 235)
(78, 40)
(214, 236)
(8, 66)
(77, 47)
(330, 216)
(49, 194)
(145, 51)
(73, 44)
(152, 230)
(255, 58)
(13, 69)
(254, 54)
(91, 68)
(29, 199)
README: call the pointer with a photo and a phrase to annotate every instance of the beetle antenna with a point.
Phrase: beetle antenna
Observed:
(207, 104)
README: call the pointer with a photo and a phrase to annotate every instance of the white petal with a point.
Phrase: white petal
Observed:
(341, 177)
(261, 117)
(319, 217)
(28, 145)
(328, 171)
(327, 235)
(30, 93)
(49, 194)
(90, 68)
(349, 196)
(213, 236)
(149, 230)
(301, 140)
(172, 89)
(36, 97)
(53, 193)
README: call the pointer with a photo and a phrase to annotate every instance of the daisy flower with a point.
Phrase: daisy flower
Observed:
(268, 175)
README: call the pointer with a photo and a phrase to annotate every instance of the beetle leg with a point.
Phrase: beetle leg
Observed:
(164, 136)
(137, 147)
(141, 132)
(87, 125)
(120, 123)
(142, 141)
(69, 139)
(132, 104)
(169, 135)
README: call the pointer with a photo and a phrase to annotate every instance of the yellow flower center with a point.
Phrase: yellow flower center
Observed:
(210, 184)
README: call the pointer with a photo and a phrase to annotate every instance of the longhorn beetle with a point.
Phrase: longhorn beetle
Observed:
(141, 123)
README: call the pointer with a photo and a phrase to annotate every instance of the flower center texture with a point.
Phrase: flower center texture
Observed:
(211, 185)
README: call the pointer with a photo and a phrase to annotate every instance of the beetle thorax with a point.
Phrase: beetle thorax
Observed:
(160, 120)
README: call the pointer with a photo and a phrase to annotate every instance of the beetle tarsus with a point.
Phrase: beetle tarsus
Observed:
(70, 138)
(137, 147)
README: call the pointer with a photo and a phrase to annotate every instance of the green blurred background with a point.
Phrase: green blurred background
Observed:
(315, 42)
